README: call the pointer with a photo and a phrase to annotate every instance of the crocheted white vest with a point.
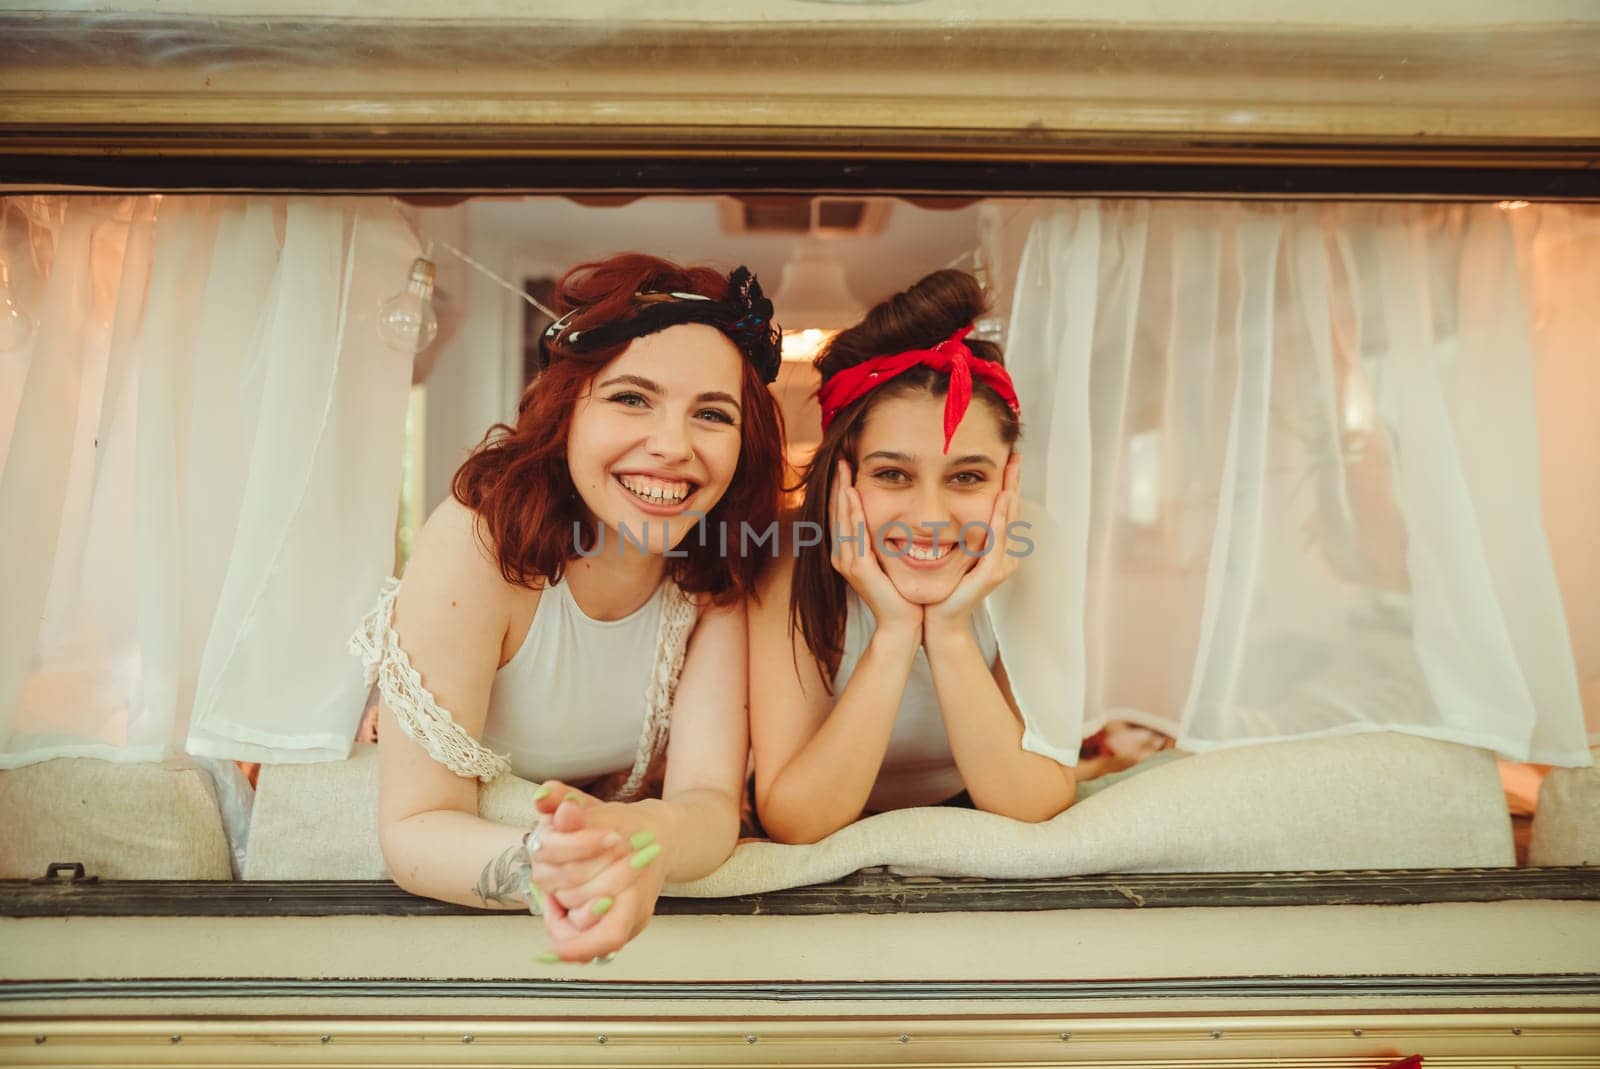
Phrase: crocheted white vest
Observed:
(435, 730)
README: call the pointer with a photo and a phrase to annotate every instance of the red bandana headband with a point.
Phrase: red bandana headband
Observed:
(950, 355)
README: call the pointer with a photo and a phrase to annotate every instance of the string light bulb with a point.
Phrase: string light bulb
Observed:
(406, 321)
(16, 326)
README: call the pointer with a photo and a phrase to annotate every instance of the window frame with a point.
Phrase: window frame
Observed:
(870, 891)
(1331, 139)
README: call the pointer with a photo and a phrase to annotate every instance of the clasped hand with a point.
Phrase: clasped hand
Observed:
(595, 873)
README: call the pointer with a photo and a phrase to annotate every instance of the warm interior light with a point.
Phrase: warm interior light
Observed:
(1510, 205)
(802, 346)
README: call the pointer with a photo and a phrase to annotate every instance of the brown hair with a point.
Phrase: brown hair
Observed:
(517, 478)
(919, 318)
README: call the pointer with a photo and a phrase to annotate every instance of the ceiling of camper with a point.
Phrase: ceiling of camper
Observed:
(558, 232)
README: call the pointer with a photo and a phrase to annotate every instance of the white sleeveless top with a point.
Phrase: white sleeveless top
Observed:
(570, 703)
(918, 768)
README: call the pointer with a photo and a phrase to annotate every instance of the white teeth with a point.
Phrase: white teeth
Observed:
(656, 491)
(916, 552)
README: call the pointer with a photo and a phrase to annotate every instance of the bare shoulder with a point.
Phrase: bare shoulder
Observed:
(453, 528)
(451, 618)
(453, 571)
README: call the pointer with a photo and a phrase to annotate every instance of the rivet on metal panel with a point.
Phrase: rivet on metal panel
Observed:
(599, 1039)
(1516, 1031)
(1065, 1036)
(1355, 1032)
(327, 1039)
(904, 1038)
(749, 1039)
(467, 1038)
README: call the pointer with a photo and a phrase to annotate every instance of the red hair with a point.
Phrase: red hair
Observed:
(517, 478)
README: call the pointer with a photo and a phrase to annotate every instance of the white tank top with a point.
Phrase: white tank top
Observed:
(918, 768)
(570, 704)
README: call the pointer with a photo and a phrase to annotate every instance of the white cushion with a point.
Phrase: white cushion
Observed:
(317, 821)
(1566, 827)
(123, 821)
(1374, 801)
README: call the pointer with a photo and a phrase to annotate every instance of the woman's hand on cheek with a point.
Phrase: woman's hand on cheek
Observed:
(853, 558)
(994, 567)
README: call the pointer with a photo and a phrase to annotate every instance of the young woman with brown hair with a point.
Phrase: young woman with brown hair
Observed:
(876, 681)
(559, 599)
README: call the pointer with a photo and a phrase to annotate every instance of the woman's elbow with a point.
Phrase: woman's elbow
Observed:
(1033, 810)
(403, 873)
(399, 861)
(798, 836)
(789, 824)
(1042, 814)
(792, 834)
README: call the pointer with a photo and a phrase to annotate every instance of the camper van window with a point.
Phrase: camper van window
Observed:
(847, 456)
(1297, 577)
(804, 532)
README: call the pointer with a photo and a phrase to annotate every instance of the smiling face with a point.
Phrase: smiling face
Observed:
(656, 436)
(905, 477)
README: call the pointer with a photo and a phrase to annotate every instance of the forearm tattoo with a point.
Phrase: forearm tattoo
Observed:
(504, 880)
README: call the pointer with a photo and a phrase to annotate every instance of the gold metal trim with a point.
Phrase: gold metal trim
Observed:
(994, 87)
(1478, 1038)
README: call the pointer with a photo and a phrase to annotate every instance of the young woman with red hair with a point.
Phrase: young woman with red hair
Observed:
(563, 604)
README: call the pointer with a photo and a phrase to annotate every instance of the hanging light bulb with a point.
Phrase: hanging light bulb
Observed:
(16, 326)
(406, 321)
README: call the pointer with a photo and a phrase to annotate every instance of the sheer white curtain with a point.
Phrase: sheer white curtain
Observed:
(201, 452)
(1293, 454)
(1558, 252)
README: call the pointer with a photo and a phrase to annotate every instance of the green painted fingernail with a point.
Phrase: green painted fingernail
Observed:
(601, 906)
(537, 896)
(548, 957)
(641, 839)
(541, 794)
(645, 856)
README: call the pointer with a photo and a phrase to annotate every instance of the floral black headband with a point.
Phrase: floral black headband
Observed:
(745, 316)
